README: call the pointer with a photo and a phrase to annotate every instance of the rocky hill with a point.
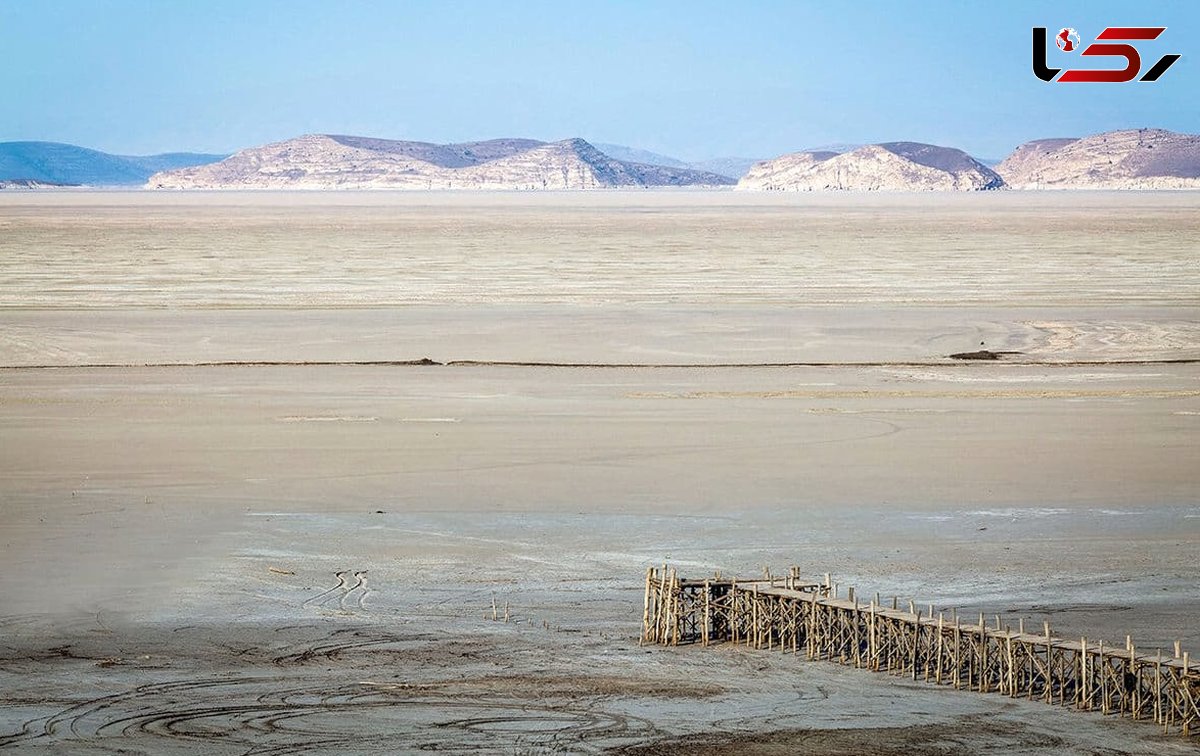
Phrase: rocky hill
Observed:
(54, 163)
(32, 184)
(1131, 159)
(730, 167)
(892, 166)
(733, 167)
(323, 161)
(637, 155)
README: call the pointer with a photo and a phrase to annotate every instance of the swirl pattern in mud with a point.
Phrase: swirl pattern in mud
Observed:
(307, 699)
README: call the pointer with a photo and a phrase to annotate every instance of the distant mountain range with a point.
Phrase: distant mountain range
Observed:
(1129, 159)
(50, 163)
(31, 184)
(329, 161)
(891, 166)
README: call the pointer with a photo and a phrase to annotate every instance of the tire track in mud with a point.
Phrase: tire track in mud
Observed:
(350, 583)
(360, 584)
(70, 718)
(70, 721)
(290, 711)
(329, 652)
(288, 704)
(227, 712)
(542, 725)
(321, 598)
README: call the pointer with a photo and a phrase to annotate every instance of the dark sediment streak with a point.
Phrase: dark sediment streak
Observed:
(426, 362)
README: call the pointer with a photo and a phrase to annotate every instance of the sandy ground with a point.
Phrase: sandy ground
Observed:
(173, 534)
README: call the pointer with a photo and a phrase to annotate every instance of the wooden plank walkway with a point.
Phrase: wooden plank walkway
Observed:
(788, 614)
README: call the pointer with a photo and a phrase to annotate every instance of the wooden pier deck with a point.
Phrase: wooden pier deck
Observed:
(788, 614)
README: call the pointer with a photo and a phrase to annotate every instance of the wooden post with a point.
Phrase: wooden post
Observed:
(1084, 695)
(1185, 697)
(983, 655)
(665, 598)
(735, 619)
(754, 615)
(916, 641)
(872, 642)
(646, 607)
(855, 640)
(672, 607)
(707, 612)
(1049, 664)
(1103, 681)
(1158, 712)
(768, 629)
(668, 609)
(957, 653)
(793, 609)
(677, 597)
(812, 628)
(940, 642)
(1135, 698)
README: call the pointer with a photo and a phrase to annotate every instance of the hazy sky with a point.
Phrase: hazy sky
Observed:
(692, 79)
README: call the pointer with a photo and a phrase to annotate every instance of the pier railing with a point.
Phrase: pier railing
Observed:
(790, 614)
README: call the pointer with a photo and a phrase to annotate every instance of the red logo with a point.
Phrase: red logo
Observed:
(1067, 40)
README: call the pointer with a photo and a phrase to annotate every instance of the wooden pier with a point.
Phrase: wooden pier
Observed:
(789, 614)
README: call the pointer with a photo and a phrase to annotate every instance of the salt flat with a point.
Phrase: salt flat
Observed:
(331, 250)
(170, 528)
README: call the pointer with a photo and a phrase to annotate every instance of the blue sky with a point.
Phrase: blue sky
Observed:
(692, 79)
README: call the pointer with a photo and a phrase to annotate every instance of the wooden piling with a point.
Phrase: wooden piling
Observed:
(786, 613)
